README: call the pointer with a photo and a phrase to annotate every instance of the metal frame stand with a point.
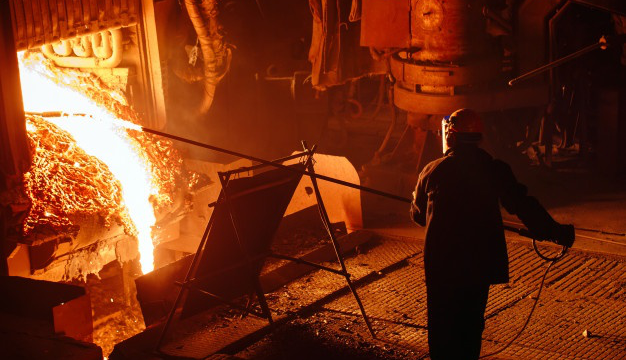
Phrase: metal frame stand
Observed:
(190, 279)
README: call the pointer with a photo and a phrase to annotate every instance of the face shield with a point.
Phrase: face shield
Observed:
(462, 127)
(445, 124)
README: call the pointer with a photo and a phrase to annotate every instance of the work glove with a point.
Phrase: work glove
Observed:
(563, 234)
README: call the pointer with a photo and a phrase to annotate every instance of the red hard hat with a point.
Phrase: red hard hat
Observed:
(465, 121)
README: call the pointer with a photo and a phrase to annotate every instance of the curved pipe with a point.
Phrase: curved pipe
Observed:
(101, 45)
(116, 50)
(216, 55)
(356, 110)
(82, 46)
(187, 73)
(89, 62)
(62, 48)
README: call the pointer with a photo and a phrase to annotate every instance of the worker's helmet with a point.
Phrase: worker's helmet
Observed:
(466, 124)
(462, 126)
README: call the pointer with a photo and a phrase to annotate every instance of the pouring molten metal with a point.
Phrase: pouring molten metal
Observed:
(90, 158)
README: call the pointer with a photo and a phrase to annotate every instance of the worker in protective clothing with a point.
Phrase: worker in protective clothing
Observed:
(458, 199)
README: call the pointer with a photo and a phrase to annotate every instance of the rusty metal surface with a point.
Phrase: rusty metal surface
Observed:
(393, 16)
(452, 30)
(503, 98)
(446, 75)
(39, 22)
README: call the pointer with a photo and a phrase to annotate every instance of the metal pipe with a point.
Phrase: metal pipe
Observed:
(37, 22)
(63, 48)
(102, 45)
(309, 263)
(216, 54)
(181, 291)
(503, 23)
(512, 225)
(277, 165)
(551, 39)
(117, 50)
(93, 61)
(336, 245)
(82, 46)
(602, 44)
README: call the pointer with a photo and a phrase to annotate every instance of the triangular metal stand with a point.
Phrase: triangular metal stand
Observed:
(249, 260)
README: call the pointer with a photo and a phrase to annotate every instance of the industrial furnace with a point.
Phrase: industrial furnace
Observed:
(259, 76)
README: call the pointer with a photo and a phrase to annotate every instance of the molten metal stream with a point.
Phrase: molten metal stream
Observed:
(103, 135)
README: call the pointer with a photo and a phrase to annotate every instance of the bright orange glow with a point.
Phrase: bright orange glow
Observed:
(111, 144)
(102, 134)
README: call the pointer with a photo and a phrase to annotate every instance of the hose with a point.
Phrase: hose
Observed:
(216, 53)
(532, 310)
(552, 261)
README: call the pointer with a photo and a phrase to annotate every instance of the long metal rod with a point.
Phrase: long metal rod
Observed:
(337, 247)
(275, 164)
(220, 299)
(244, 251)
(213, 274)
(281, 166)
(512, 227)
(254, 167)
(309, 263)
(602, 43)
(190, 273)
(520, 231)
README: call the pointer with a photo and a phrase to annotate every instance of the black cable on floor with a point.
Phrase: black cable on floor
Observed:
(552, 261)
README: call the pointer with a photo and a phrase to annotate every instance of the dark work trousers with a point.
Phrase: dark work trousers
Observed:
(456, 320)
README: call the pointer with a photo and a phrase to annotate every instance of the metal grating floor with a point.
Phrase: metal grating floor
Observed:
(200, 336)
(582, 292)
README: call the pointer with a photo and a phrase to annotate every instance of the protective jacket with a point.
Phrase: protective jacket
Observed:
(458, 199)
